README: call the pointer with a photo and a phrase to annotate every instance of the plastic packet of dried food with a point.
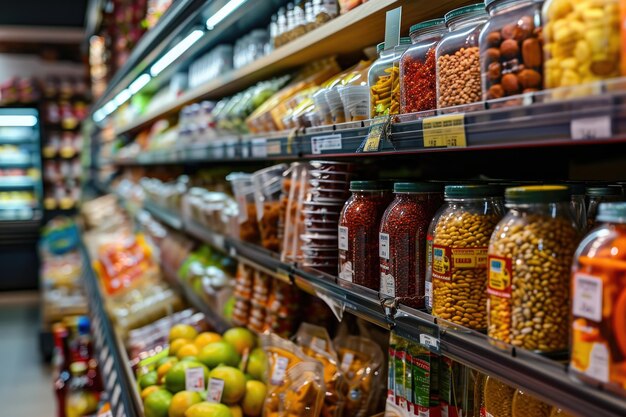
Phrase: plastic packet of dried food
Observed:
(360, 360)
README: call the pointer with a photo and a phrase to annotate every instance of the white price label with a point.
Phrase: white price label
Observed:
(588, 297)
(429, 294)
(279, 371)
(259, 148)
(216, 388)
(346, 361)
(429, 341)
(387, 285)
(325, 143)
(383, 245)
(343, 238)
(194, 379)
(591, 128)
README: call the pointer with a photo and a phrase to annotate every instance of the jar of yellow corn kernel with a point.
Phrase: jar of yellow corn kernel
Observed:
(581, 42)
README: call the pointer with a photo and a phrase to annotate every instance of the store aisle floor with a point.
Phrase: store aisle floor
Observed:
(25, 381)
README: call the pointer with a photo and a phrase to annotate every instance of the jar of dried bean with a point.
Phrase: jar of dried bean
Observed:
(599, 302)
(460, 235)
(498, 398)
(458, 57)
(358, 232)
(597, 195)
(402, 241)
(525, 405)
(418, 69)
(511, 57)
(581, 41)
(384, 79)
(530, 255)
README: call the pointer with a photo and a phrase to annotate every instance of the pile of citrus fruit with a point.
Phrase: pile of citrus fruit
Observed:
(231, 365)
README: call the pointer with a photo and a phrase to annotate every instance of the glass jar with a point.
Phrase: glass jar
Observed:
(358, 232)
(599, 302)
(530, 256)
(511, 57)
(384, 79)
(581, 41)
(597, 195)
(460, 232)
(525, 405)
(579, 207)
(498, 398)
(418, 68)
(458, 57)
(402, 241)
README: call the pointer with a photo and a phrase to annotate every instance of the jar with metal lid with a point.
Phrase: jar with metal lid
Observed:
(418, 68)
(597, 195)
(599, 302)
(460, 232)
(530, 256)
(458, 57)
(581, 42)
(358, 232)
(511, 57)
(402, 241)
(384, 78)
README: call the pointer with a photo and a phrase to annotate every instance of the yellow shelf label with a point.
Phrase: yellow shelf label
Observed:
(444, 131)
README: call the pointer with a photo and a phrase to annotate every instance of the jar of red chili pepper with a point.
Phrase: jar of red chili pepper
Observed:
(358, 232)
(460, 234)
(599, 302)
(402, 241)
(418, 67)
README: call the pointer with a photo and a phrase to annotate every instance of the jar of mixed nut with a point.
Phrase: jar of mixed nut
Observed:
(530, 255)
(384, 79)
(599, 302)
(418, 69)
(581, 41)
(458, 57)
(511, 57)
(402, 241)
(358, 232)
(460, 235)
(597, 195)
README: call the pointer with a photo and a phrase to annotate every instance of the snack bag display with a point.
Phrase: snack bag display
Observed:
(296, 383)
(360, 360)
(316, 343)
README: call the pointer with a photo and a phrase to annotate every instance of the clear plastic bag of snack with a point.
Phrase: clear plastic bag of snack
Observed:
(267, 189)
(360, 360)
(316, 343)
(243, 189)
(295, 187)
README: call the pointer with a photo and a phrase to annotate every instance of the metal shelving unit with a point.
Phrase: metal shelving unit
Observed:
(114, 363)
(543, 377)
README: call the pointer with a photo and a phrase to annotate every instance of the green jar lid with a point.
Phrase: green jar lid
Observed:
(416, 187)
(370, 185)
(380, 47)
(464, 10)
(472, 191)
(603, 191)
(406, 41)
(612, 212)
(538, 194)
(427, 24)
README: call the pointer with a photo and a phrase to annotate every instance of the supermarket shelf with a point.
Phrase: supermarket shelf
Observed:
(545, 378)
(113, 360)
(362, 27)
(594, 120)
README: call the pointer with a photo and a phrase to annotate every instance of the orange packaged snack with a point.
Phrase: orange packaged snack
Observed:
(599, 302)
(360, 361)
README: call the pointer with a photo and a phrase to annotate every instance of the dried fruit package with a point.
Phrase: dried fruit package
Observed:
(267, 190)
(294, 189)
(360, 360)
(296, 385)
(316, 343)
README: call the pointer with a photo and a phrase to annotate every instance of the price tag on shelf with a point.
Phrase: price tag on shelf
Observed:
(273, 147)
(429, 341)
(215, 390)
(194, 379)
(444, 131)
(258, 147)
(325, 143)
(591, 128)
